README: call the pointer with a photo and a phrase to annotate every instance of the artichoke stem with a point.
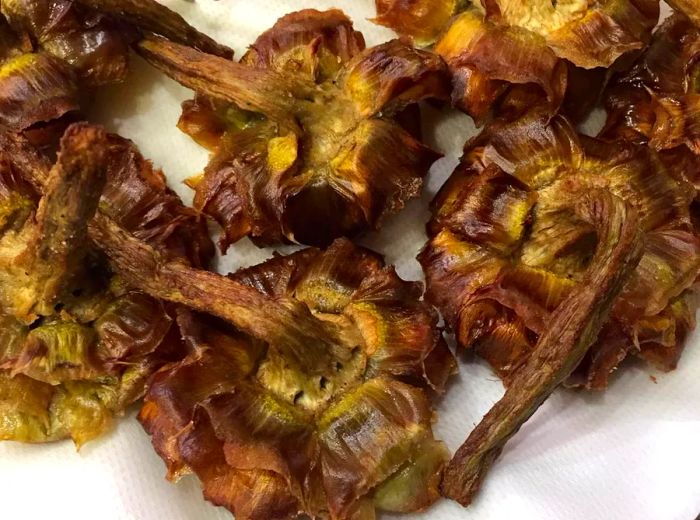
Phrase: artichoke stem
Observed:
(284, 323)
(72, 192)
(257, 90)
(149, 15)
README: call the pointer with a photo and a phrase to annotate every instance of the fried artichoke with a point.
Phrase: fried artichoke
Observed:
(571, 329)
(658, 101)
(78, 343)
(505, 249)
(53, 51)
(315, 402)
(533, 46)
(308, 131)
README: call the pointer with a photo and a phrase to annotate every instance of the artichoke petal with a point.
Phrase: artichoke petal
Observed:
(423, 20)
(657, 102)
(388, 77)
(36, 87)
(310, 43)
(366, 436)
(472, 42)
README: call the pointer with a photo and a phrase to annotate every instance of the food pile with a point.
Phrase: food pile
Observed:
(305, 386)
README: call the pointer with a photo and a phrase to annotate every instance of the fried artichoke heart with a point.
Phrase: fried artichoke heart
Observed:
(658, 101)
(315, 403)
(309, 133)
(505, 249)
(538, 46)
(78, 344)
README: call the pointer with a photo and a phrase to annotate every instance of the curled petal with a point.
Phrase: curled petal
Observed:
(423, 20)
(35, 88)
(670, 265)
(533, 149)
(95, 48)
(661, 343)
(603, 358)
(99, 54)
(254, 495)
(454, 269)
(491, 209)
(605, 32)
(55, 353)
(134, 325)
(312, 43)
(379, 183)
(24, 408)
(388, 77)
(355, 456)
(397, 335)
(472, 43)
(658, 101)
(137, 197)
(262, 435)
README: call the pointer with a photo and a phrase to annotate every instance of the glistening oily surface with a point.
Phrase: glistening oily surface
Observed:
(629, 453)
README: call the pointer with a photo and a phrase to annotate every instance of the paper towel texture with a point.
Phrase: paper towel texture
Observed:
(630, 453)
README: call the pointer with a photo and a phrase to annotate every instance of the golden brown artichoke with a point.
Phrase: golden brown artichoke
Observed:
(658, 101)
(318, 405)
(78, 344)
(534, 46)
(505, 248)
(307, 131)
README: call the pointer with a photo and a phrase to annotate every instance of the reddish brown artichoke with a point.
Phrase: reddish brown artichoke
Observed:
(658, 101)
(314, 404)
(78, 344)
(307, 131)
(529, 45)
(505, 248)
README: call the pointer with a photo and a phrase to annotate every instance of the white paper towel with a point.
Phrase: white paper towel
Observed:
(630, 453)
